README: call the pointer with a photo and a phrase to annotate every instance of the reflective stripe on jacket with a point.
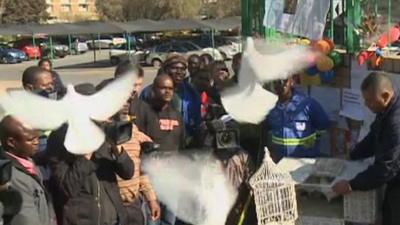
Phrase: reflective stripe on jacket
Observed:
(295, 128)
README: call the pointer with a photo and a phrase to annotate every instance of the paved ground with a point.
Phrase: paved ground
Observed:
(72, 69)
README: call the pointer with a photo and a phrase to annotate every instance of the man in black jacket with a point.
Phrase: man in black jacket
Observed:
(87, 187)
(383, 142)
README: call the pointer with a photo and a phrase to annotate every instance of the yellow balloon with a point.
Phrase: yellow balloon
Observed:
(305, 42)
(324, 63)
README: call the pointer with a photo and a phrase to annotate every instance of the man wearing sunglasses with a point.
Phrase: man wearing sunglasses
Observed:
(295, 124)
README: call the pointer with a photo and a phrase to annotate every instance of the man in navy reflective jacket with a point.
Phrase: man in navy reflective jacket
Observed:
(383, 142)
(295, 124)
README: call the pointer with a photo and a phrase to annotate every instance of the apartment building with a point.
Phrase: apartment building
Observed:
(71, 10)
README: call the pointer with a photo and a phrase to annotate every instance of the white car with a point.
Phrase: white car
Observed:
(119, 53)
(228, 51)
(228, 46)
(158, 54)
(80, 47)
(105, 41)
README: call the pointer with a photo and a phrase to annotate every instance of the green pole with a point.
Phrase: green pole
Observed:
(70, 45)
(51, 48)
(98, 40)
(376, 7)
(349, 30)
(390, 21)
(246, 17)
(94, 49)
(261, 28)
(353, 17)
(129, 44)
(213, 41)
(34, 44)
(332, 24)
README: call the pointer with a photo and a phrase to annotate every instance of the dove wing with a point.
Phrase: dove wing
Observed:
(36, 111)
(111, 98)
(83, 136)
(248, 102)
(281, 65)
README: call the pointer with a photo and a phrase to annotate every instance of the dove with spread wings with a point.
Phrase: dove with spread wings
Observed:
(249, 102)
(79, 111)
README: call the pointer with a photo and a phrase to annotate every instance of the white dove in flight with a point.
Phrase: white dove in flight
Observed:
(249, 102)
(79, 111)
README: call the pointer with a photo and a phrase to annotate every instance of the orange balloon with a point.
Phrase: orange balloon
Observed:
(324, 63)
(331, 44)
(323, 46)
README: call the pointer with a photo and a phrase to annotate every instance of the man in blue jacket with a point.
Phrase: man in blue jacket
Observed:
(295, 124)
(186, 99)
(383, 142)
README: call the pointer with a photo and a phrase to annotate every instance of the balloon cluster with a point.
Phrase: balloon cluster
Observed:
(374, 58)
(324, 63)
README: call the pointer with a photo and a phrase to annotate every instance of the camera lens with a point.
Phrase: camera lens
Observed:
(226, 137)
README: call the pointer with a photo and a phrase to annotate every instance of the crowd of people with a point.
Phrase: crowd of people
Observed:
(42, 183)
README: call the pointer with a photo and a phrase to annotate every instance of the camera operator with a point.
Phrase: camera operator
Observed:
(235, 161)
(87, 191)
(138, 188)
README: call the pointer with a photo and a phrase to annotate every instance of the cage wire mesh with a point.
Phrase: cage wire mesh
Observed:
(274, 194)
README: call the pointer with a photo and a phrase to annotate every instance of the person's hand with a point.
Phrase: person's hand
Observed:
(155, 210)
(342, 187)
(116, 150)
(5, 186)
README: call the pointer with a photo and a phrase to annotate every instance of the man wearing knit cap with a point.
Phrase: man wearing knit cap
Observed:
(186, 99)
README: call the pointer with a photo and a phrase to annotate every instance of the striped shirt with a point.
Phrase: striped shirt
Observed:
(139, 183)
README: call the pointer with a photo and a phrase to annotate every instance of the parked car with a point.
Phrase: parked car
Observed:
(11, 55)
(78, 44)
(59, 50)
(27, 46)
(120, 53)
(157, 55)
(226, 45)
(105, 41)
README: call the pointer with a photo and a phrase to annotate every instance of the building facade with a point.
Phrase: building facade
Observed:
(71, 10)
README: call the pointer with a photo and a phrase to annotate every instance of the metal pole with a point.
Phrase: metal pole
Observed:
(98, 40)
(213, 41)
(70, 45)
(390, 22)
(129, 45)
(94, 49)
(34, 45)
(261, 28)
(246, 18)
(51, 48)
(332, 24)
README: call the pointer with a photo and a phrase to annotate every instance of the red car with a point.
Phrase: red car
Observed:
(25, 45)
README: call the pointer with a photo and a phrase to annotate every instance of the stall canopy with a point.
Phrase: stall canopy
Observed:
(224, 23)
(142, 25)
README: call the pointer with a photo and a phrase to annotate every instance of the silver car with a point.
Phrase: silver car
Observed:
(157, 55)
